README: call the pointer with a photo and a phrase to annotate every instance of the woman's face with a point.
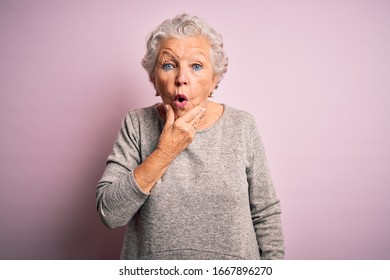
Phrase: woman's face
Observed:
(184, 75)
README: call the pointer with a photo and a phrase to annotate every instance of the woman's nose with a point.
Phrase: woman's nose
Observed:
(182, 77)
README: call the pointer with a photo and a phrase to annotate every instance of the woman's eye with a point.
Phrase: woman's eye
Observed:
(197, 67)
(167, 66)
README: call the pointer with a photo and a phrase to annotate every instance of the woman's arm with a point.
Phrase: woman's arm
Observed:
(265, 206)
(175, 137)
(127, 180)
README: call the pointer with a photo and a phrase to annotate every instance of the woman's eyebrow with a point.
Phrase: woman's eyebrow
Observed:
(166, 53)
(199, 55)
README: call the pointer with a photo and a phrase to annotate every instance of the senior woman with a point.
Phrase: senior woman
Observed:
(188, 176)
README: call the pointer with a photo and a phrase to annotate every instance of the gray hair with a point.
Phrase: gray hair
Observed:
(181, 26)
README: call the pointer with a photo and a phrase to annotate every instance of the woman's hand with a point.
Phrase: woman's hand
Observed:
(179, 133)
(175, 137)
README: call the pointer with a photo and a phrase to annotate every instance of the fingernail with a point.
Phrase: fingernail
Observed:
(167, 107)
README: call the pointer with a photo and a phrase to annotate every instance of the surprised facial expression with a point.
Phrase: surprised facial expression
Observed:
(184, 75)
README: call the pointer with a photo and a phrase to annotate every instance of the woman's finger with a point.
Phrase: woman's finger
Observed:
(193, 113)
(196, 119)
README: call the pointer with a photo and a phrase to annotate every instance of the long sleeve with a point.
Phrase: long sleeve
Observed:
(118, 196)
(265, 206)
(219, 185)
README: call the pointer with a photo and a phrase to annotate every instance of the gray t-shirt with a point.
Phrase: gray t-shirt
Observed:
(215, 201)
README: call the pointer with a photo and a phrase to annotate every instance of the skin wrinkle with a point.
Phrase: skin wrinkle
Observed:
(184, 188)
(183, 119)
(223, 188)
(196, 85)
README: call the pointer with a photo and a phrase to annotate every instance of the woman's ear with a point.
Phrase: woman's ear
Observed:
(215, 82)
(152, 80)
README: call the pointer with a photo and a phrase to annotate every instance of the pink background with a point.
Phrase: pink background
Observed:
(315, 74)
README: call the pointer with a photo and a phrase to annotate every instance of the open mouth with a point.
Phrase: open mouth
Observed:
(180, 97)
(180, 101)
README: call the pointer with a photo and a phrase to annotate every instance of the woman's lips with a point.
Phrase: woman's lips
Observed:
(180, 100)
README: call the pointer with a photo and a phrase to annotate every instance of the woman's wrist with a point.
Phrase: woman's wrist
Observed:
(152, 169)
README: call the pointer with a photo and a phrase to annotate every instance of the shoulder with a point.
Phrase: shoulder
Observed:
(142, 116)
(239, 117)
(142, 113)
(141, 121)
(243, 124)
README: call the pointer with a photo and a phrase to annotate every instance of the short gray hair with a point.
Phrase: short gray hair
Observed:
(185, 25)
